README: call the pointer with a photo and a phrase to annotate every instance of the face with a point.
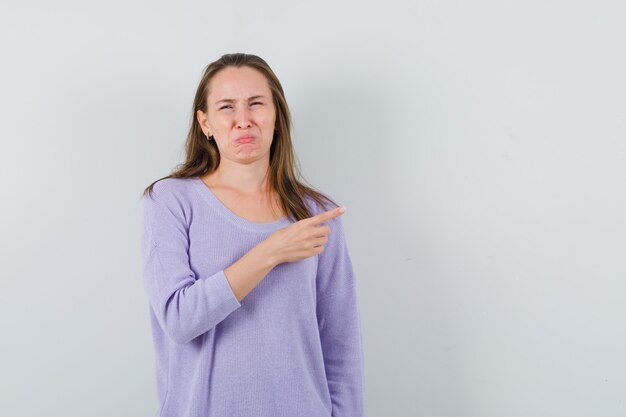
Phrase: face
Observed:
(241, 115)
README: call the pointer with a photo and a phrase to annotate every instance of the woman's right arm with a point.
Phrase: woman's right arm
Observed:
(297, 241)
(250, 269)
(186, 307)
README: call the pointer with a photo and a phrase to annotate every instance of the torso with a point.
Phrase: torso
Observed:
(255, 208)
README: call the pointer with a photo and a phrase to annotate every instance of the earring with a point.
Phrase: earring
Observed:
(209, 137)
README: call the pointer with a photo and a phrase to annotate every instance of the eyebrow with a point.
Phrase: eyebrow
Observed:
(230, 100)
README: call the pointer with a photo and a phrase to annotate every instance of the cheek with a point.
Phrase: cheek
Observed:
(267, 120)
(220, 121)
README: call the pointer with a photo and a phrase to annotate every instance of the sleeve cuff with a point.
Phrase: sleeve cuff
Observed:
(223, 291)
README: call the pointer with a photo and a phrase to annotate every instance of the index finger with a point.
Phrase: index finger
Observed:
(327, 215)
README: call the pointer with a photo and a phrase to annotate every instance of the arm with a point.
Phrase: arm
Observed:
(339, 325)
(185, 307)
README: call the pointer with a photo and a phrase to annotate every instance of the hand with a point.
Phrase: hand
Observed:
(303, 238)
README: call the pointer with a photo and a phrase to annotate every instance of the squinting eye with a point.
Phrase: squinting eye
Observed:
(256, 102)
(225, 107)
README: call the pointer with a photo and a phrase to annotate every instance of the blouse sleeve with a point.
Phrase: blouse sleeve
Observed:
(339, 324)
(184, 306)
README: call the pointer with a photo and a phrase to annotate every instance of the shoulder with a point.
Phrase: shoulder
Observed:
(316, 207)
(176, 195)
(172, 189)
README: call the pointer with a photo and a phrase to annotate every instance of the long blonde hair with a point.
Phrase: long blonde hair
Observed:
(202, 156)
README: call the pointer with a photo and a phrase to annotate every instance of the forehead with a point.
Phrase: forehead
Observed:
(238, 83)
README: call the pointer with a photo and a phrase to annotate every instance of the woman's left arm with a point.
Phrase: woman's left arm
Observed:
(339, 323)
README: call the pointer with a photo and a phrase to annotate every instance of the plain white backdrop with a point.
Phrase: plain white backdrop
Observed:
(480, 148)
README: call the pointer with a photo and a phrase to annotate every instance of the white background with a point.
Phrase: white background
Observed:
(480, 148)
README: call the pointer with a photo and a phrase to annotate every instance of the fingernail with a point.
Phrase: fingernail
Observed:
(342, 209)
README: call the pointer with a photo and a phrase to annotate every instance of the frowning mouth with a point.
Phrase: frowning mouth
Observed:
(245, 139)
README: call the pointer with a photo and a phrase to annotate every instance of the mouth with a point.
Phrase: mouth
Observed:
(245, 139)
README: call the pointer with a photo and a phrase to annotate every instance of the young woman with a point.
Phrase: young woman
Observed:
(253, 301)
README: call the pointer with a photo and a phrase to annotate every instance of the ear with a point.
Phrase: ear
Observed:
(203, 121)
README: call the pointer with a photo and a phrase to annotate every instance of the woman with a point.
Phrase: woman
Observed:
(253, 302)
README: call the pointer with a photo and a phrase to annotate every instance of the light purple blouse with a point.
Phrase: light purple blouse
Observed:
(291, 348)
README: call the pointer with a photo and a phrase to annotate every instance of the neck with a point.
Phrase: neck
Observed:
(245, 178)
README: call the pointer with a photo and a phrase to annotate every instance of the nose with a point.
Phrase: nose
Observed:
(243, 118)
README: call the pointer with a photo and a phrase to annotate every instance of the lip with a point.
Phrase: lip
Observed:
(245, 139)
